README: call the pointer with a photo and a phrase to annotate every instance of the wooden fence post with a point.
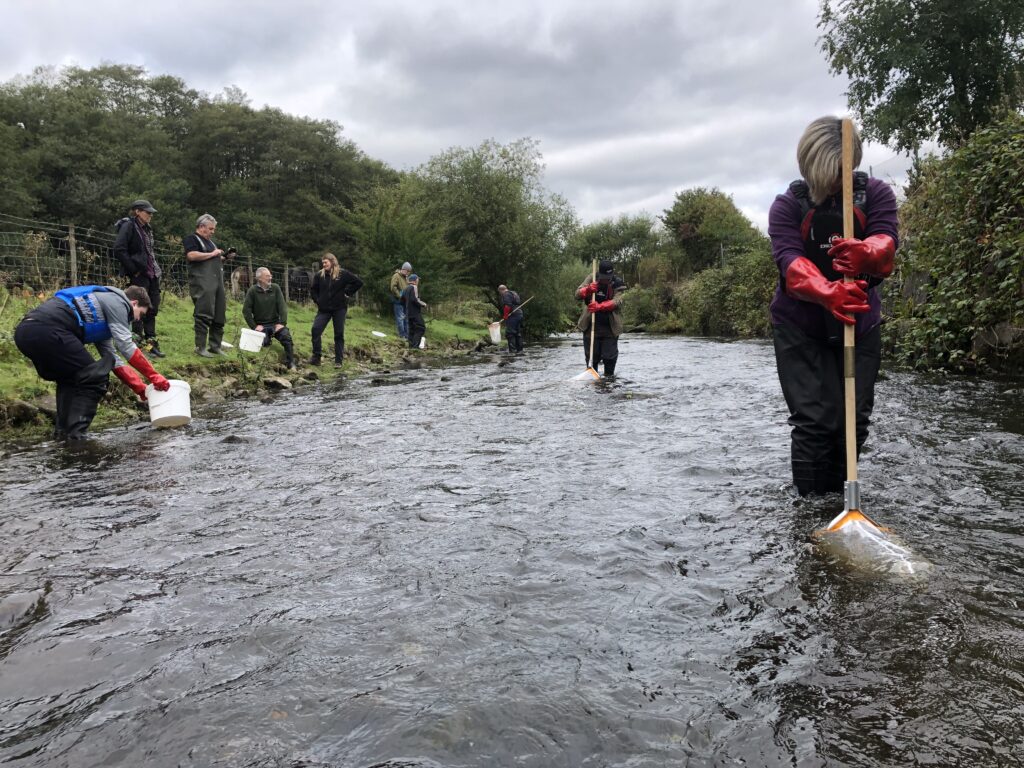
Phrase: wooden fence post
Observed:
(286, 282)
(74, 254)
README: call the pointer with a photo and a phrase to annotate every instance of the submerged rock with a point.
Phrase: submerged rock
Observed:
(276, 383)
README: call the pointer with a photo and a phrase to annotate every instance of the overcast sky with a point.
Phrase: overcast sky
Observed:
(632, 101)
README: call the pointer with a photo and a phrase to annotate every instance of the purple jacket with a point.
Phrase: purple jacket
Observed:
(787, 244)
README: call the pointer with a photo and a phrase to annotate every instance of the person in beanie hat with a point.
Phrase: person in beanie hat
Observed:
(414, 311)
(399, 282)
(133, 248)
(602, 316)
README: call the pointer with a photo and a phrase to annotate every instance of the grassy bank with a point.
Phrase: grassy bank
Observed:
(26, 401)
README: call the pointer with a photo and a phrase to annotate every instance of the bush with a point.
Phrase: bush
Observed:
(960, 273)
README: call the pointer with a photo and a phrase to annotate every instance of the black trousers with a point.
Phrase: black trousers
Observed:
(416, 330)
(284, 336)
(811, 375)
(147, 325)
(59, 355)
(514, 333)
(323, 317)
(606, 349)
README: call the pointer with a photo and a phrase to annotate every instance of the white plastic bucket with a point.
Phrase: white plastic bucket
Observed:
(172, 408)
(251, 341)
(495, 330)
(423, 342)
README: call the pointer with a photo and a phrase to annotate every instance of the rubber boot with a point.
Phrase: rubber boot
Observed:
(89, 387)
(153, 347)
(289, 351)
(609, 367)
(216, 336)
(65, 391)
(803, 477)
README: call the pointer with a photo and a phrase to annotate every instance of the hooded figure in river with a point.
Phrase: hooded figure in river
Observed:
(602, 316)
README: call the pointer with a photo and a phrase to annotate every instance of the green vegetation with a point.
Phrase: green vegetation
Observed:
(925, 70)
(959, 290)
(452, 329)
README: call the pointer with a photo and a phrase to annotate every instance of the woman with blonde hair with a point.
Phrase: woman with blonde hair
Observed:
(812, 302)
(331, 290)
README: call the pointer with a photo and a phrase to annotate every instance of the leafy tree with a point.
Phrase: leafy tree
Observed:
(926, 69)
(501, 219)
(626, 241)
(707, 228)
(962, 262)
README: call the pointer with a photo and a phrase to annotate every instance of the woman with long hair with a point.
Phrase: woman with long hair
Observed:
(331, 290)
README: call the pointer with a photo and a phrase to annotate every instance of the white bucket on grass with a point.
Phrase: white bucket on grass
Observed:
(423, 342)
(495, 330)
(172, 408)
(251, 341)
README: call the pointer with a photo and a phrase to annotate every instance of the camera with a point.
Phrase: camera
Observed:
(229, 252)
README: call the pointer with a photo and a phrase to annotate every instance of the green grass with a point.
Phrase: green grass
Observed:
(238, 370)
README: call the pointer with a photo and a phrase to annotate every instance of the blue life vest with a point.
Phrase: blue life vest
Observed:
(87, 310)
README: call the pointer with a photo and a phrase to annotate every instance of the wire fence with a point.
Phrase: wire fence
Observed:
(43, 257)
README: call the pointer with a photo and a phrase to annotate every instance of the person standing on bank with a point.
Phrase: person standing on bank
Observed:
(133, 248)
(54, 334)
(206, 286)
(331, 290)
(602, 317)
(266, 311)
(414, 311)
(513, 317)
(399, 282)
(812, 303)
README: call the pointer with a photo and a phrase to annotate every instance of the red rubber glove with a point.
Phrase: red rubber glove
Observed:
(601, 306)
(804, 281)
(505, 312)
(141, 364)
(871, 256)
(131, 380)
(587, 291)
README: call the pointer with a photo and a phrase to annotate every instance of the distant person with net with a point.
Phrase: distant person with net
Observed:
(812, 303)
(512, 314)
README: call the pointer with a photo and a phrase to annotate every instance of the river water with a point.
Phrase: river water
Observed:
(489, 565)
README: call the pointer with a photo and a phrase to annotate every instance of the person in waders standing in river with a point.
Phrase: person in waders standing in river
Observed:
(512, 314)
(812, 303)
(602, 316)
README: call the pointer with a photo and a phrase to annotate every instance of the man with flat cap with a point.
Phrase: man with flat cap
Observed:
(133, 248)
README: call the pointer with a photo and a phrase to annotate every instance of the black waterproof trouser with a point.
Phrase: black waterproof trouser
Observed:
(146, 327)
(59, 355)
(606, 350)
(416, 330)
(210, 314)
(323, 317)
(284, 336)
(811, 375)
(514, 333)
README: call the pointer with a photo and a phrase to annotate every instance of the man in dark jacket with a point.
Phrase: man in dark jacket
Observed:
(265, 310)
(331, 290)
(133, 248)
